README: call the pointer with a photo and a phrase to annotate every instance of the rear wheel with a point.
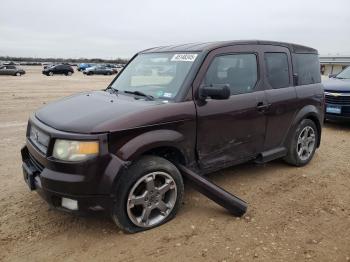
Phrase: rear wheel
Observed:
(303, 144)
(18, 74)
(148, 194)
(69, 73)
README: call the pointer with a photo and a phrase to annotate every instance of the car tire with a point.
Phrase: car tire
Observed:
(50, 73)
(303, 143)
(148, 194)
(69, 73)
(18, 74)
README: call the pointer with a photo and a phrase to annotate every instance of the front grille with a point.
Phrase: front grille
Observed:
(345, 111)
(35, 163)
(39, 139)
(338, 100)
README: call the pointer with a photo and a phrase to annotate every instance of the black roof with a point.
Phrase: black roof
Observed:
(208, 46)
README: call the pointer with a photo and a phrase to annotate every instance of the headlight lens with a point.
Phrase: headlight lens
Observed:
(69, 150)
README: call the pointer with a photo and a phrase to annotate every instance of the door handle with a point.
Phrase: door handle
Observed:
(262, 107)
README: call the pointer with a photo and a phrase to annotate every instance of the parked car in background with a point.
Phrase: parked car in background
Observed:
(11, 70)
(113, 67)
(337, 94)
(48, 65)
(60, 69)
(83, 66)
(224, 103)
(99, 70)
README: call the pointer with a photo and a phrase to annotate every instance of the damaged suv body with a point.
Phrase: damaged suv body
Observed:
(206, 106)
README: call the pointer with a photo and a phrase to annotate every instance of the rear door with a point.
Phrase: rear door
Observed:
(232, 130)
(61, 69)
(280, 93)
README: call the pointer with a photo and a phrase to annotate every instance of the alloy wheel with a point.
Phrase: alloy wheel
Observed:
(306, 143)
(151, 199)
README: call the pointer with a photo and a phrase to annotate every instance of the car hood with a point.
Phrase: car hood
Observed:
(97, 112)
(334, 84)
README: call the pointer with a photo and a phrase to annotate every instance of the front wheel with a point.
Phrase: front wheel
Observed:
(303, 144)
(147, 195)
(18, 74)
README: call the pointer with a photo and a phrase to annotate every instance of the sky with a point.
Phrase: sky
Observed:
(111, 29)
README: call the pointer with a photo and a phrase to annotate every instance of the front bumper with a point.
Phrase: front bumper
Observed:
(89, 182)
(337, 106)
(344, 115)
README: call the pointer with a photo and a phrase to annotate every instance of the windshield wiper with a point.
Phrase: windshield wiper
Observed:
(139, 93)
(113, 90)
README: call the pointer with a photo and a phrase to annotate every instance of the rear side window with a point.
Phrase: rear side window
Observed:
(239, 71)
(277, 69)
(307, 68)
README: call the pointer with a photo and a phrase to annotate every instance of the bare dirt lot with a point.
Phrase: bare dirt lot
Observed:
(295, 214)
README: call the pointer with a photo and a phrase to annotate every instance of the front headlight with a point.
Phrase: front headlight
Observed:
(69, 150)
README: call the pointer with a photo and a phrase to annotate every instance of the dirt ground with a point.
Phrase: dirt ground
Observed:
(295, 214)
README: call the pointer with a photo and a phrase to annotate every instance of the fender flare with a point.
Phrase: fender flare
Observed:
(309, 111)
(150, 140)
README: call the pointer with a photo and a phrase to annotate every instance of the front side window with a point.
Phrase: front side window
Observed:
(159, 75)
(238, 71)
(277, 69)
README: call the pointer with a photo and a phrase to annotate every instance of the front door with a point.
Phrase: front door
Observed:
(10, 70)
(233, 130)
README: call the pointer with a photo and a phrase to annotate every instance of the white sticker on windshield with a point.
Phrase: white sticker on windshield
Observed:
(167, 95)
(184, 57)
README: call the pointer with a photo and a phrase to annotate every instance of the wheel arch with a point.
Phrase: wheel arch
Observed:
(308, 112)
(164, 143)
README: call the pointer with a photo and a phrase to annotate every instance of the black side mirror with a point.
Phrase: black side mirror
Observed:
(219, 92)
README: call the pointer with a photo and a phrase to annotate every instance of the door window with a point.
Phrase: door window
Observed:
(277, 69)
(238, 71)
(307, 68)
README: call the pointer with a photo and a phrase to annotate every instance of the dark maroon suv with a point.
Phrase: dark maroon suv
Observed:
(206, 106)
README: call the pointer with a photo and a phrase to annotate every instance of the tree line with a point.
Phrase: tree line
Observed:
(63, 60)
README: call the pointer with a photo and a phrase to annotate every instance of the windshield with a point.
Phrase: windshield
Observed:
(159, 75)
(345, 74)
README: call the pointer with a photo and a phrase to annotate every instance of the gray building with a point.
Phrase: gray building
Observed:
(333, 64)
